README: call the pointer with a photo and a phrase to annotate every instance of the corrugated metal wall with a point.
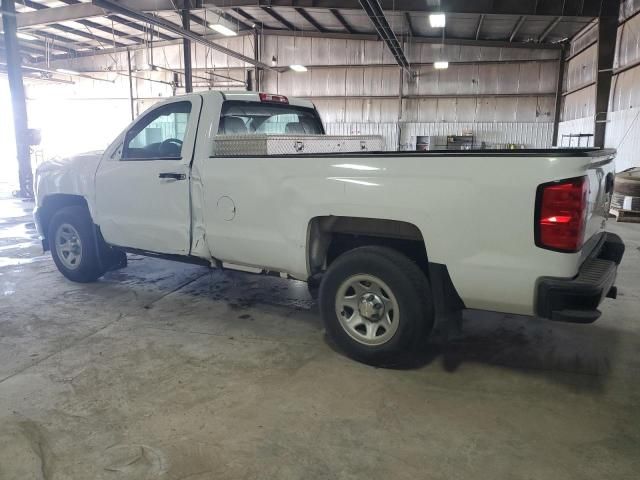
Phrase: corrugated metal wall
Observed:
(503, 95)
(357, 88)
(494, 134)
(578, 112)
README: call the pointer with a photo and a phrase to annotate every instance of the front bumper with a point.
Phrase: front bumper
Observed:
(577, 299)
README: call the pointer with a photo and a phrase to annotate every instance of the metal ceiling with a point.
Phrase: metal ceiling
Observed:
(68, 28)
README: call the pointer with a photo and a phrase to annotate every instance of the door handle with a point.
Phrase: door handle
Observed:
(172, 176)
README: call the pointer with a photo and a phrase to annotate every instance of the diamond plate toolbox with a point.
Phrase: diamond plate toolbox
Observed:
(277, 145)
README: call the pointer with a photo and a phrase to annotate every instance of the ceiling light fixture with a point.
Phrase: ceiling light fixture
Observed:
(298, 68)
(227, 32)
(441, 65)
(437, 20)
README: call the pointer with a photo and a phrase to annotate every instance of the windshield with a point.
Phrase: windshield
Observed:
(248, 118)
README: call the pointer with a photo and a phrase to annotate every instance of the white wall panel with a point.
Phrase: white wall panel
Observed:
(426, 53)
(581, 69)
(573, 127)
(629, 7)
(588, 35)
(623, 134)
(628, 50)
(532, 135)
(579, 104)
(547, 77)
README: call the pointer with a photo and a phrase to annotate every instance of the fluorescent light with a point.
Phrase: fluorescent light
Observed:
(298, 68)
(68, 72)
(227, 32)
(25, 36)
(441, 65)
(437, 20)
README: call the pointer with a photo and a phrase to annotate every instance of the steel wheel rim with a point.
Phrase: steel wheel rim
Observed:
(68, 246)
(367, 309)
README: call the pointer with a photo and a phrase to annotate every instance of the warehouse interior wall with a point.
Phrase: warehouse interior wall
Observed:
(503, 95)
(578, 106)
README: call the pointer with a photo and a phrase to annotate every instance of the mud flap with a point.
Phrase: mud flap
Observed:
(110, 258)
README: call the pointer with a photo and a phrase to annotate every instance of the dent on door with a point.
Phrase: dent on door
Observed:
(226, 208)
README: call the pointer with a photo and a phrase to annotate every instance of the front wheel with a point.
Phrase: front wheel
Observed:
(376, 305)
(73, 245)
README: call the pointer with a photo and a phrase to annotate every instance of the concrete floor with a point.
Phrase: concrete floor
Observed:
(169, 371)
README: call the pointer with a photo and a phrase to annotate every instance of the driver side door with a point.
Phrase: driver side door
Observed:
(142, 189)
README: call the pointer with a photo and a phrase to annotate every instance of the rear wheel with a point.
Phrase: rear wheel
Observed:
(73, 245)
(376, 305)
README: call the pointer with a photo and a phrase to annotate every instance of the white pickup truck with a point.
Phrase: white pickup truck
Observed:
(393, 239)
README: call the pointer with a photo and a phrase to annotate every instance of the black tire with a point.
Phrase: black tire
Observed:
(313, 286)
(88, 268)
(409, 286)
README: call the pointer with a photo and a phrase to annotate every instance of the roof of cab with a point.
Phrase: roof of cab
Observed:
(255, 97)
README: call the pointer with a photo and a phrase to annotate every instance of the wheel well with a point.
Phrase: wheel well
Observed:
(53, 203)
(331, 236)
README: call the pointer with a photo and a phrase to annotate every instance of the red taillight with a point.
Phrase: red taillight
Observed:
(268, 97)
(561, 214)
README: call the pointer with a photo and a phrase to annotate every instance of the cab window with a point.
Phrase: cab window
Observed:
(159, 134)
(255, 118)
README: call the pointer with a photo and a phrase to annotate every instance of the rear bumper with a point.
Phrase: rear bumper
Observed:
(577, 299)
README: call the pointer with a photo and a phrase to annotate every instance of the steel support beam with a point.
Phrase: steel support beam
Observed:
(256, 56)
(276, 16)
(342, 21)
(186, 49)
(554, 23)
(246, 16)
(88, 36)
(582, 8)
(479, 26)
(516, 29)
(412, 32)
(304, 14)
(46, 16)
(76, 11)
(18, 102)
(38, 7)
(607, 34)
(588, 8)
(175, 29)
(133, 116)
(559, 83)
(229, 18)
(373, 9)
(419, 39)
(335, 35)
(39, 49)
(105, 29)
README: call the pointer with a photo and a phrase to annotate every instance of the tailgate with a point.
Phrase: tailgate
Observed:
(600, 171)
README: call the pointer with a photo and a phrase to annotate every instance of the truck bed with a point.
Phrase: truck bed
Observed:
(524, 152)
